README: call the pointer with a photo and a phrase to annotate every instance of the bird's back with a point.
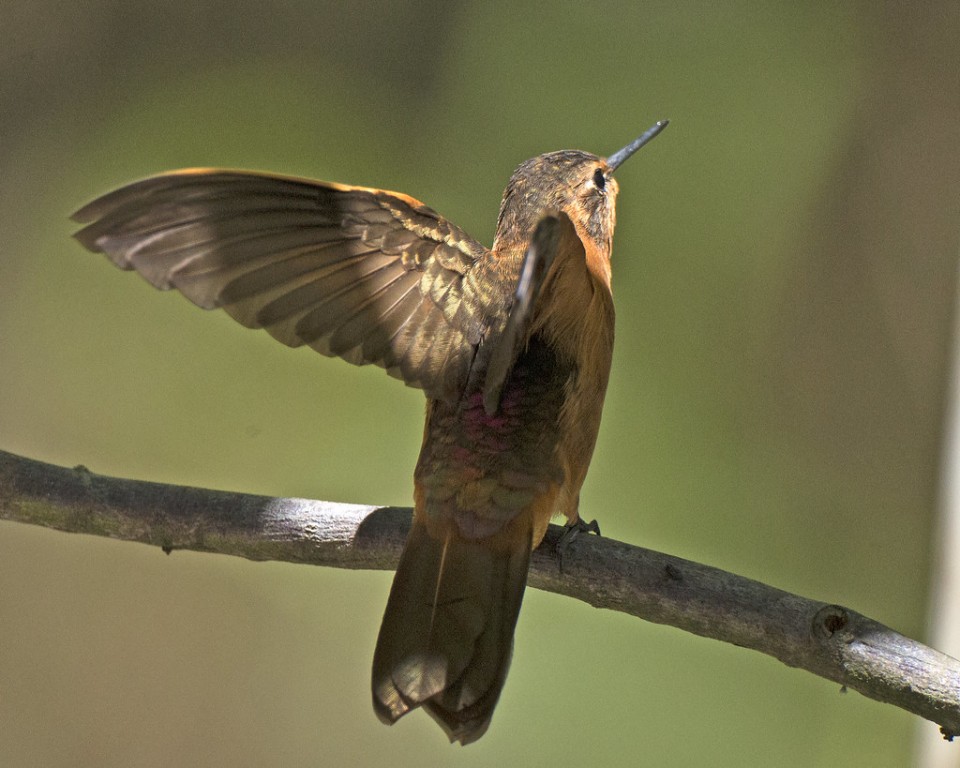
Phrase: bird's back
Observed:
(481, 484)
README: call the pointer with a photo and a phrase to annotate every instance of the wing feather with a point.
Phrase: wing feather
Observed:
(364, 274)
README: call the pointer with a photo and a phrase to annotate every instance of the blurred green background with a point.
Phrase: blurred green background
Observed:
(784, 275)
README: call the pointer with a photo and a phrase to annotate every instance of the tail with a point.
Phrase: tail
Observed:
(447, 631)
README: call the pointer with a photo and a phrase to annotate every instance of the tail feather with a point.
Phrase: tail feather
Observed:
(447, 632)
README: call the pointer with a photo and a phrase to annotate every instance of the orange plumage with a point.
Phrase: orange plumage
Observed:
(512, 346)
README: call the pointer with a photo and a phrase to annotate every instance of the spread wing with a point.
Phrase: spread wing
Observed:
(367, 275)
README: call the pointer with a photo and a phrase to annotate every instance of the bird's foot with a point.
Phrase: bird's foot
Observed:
(570, 532)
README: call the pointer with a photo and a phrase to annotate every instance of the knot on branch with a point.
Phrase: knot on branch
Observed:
(829, 620)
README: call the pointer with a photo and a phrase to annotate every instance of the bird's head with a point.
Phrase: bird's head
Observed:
(579, 184)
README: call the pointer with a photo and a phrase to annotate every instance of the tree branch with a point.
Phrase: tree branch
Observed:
(828, 640)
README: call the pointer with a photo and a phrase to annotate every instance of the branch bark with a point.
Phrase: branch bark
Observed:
(831, 641)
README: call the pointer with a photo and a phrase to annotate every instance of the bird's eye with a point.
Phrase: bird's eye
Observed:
(599, 180)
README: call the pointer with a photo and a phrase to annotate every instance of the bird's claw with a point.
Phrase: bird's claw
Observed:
(570, 532)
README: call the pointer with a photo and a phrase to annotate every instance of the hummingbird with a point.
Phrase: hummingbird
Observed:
(511, 345)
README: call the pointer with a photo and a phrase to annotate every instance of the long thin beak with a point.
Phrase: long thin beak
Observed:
(616, 159)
